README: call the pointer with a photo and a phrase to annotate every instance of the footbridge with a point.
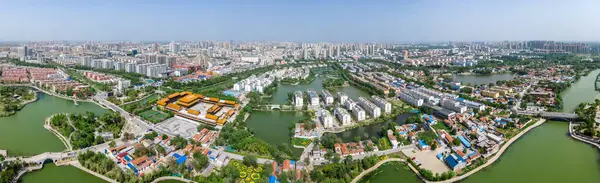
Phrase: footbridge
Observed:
(275, 107)
(41, 158)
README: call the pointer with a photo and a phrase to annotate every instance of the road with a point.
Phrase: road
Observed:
(101, 98)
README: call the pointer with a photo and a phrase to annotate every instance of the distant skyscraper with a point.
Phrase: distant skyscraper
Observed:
(173, 47)
(337, 51)
(405, 54)
(155, 47)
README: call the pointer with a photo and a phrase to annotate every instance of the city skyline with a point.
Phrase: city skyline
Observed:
(307, 21)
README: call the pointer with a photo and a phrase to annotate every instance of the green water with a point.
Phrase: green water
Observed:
(580, 91)
(391, 172)
(24, 133)
(281, 96)
(63, 174)
(370, 130)
(274, 126)
(483, 79)
(545, 154)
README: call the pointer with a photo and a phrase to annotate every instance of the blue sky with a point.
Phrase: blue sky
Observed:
(300, 20)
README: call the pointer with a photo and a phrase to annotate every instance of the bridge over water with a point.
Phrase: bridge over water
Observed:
(551, 115)
(275, 107)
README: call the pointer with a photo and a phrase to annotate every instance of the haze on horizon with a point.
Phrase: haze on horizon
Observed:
(309, 20)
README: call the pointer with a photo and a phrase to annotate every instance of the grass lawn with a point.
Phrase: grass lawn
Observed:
(442, 126)
(384, 144)
(301, 142)
(154, 116)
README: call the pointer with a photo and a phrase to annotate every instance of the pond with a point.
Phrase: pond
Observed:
(23, 133)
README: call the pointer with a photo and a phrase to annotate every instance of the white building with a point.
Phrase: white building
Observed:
(327, 97)
(326, 119)
(130, 67)
(382, 103)
(97, 64)
(350, 104)
(359, 113)
(407, 97)
(342, 97)
(86, 61)
(298, 99)
(119, 66)
(343, 116)
(123, 84)
(314, 98)
(371, 108)
(453, 105)
(107, 64)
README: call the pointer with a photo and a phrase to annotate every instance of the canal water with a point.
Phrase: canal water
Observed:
(544, 154)
(23, 134)
(482, 79)
(580, 91)
(370, 130)
(63, 174)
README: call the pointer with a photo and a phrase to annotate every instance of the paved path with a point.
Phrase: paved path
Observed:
(77, 165)
(367, 171)
(171, 178)
(582, 138)
(66, 141)
(494, 158)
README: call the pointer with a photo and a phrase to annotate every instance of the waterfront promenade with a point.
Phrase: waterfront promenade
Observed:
(582, 138)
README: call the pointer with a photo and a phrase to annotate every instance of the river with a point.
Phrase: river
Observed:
(482, 79)
(580, 91)
(60, 174)
(24, 134)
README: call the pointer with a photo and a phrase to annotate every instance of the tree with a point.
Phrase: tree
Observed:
(250, 161)
(456, 142)
(129, 136)
(336, 158)
(112, 144)
(200, 161)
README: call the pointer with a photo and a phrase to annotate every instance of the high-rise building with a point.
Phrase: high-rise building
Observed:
(174, 47)
(405, 54)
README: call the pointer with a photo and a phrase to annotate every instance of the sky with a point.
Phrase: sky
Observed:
(300, 20)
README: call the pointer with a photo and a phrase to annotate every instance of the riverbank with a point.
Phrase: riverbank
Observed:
(62, 138)
(581, 138)
(489, 161)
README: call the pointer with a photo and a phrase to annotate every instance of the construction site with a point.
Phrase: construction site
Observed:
(199, 108)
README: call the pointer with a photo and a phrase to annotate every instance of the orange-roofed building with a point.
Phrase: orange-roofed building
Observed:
(286, 165)
(274, 168)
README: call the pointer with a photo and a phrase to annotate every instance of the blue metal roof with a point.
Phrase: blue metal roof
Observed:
(464, 141)
(273, 179)
(181, 160)
(132, 167)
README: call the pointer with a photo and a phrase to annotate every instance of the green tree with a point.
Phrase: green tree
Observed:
(250, 161)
